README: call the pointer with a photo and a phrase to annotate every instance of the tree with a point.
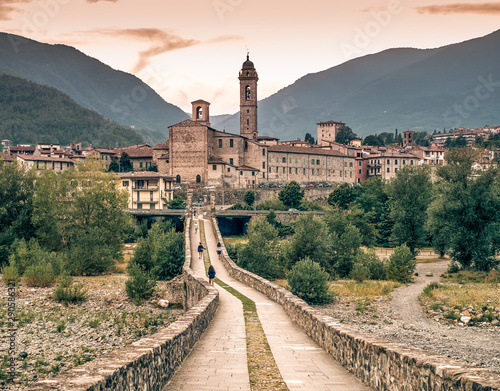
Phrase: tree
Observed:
(249, 197)
(401, 265)
(261, 255)
(125, 163)
(161, 252)
(345, 248)
(343, 195)
(114, 166)
(345, 135)
(309, 138)
(311, 240)
(309, 282)
(468, 205)
(409, 197)
(16, 206)
(291, 195)
(373, 140)
(177, 203)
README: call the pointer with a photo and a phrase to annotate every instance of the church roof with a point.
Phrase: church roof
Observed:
(248, 64)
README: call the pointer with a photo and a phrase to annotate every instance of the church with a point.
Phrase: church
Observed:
(197, 154)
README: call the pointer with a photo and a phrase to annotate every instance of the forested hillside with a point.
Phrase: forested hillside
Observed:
(31, 113)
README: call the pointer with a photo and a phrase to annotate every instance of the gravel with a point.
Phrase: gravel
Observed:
(401, 319)
(52, 338)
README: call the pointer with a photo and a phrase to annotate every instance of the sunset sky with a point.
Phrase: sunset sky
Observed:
(193, 49)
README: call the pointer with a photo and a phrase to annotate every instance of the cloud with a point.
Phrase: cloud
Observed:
(161, 42)
(8, 6)
(97, 1)
(461, 8)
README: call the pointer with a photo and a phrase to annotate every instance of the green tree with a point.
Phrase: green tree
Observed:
(410, 195)
(401, 264)
(177, 203)
(125, 163)
(161, 252)
(261, 255)
(373, 140)
(344, 249)
(249, 197)
(309, 138)
(468, 206)
(345, 135)
(291, 195)
(437, 226)
(310, 282)
(311, 240)
(16, 206)
(114, 166)
(343, 195)
(141, 284)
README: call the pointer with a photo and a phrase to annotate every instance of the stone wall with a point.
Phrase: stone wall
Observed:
(149, 363)
(379, 363)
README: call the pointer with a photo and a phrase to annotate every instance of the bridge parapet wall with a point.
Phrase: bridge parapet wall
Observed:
(149, 363)
(379, 363)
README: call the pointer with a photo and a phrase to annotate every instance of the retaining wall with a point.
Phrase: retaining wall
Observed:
(379, 363)
(149, 363)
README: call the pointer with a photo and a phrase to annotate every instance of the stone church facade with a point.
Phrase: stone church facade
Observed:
(198, 155)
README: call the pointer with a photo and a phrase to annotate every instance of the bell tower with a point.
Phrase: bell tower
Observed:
(248, 100)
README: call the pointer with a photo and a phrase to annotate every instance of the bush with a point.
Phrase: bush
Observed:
(401, 265)
(141, 284)
(68, 293)
(41, 274)
(369, 261)
(360, 272)
(272, 204)
(309, 282)
(427, 291)
(10, 274)
(232, 251)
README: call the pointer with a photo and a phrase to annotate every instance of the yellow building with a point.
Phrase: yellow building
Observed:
(147, 189)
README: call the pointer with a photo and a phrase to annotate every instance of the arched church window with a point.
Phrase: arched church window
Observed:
(198, 179)
(178, 179)
(247, 92)
(199, 112)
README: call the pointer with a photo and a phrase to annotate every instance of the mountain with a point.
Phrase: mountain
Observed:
(448, 87)
(31, 113)
(116, 95)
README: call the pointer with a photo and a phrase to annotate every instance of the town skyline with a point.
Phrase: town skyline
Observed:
(186, 51)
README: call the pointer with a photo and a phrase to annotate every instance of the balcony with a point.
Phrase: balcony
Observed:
(145, 188)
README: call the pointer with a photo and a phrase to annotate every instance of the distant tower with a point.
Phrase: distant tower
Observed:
(201, 111)
(248, 100)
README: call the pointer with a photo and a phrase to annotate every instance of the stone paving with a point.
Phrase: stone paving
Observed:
(218, 361)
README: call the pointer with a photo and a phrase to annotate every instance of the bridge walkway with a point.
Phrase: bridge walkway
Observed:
(303, 364)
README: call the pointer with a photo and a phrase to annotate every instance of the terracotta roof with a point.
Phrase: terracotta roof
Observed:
(32, 158)
(331, 122)
(247, 168)
(305, 150)
(162, 147)
(7, 157)
(22, 149)
(137, 151)
(144, 175)
(267, 138)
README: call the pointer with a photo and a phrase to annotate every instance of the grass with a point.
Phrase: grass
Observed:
(233, 240)
(366, 290)
(474, 292)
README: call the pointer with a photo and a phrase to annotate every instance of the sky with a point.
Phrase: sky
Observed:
(193, 49)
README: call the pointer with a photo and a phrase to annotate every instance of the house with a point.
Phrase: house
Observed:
(147, 189)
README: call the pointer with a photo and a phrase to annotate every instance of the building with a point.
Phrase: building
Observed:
(141, 156)
(45, 162)
(327, 131)
(146, 189)
(408, 138)
(387, 164)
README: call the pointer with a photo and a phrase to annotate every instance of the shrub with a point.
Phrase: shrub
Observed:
(309, 282)
(232, 251)
(430, 288)
(10, 274)
(40, 274)
(376, 267)
(68, 293)
(401, 265)
(141, 284)
(360, 272)
(272, 204)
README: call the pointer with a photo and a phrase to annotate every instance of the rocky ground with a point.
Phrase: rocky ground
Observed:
(400, 318)
(51, 337)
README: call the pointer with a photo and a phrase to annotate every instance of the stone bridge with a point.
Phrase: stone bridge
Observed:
(319, 354)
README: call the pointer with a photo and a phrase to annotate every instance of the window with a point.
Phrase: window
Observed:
(247, 93)
(269, 169)
(290, 160)
(125, 183)
(276, 170)
(312, 171)
(312, 161)
(350, 164)
(388, 161)
(264, 165)
(277, 160)
(178, 179)
(359, 171)
(140, 164)
(220, 143)
(253, 173)
(198, 179)
(359, 163)
(296, 170)
(199, 113)
(241, 172)
(228, 169)
(214, 167)
(263, 152)
(248, 122)
(140, 184)
(283, 160)
(231, 143)
(318, 162)
(411, 162)
(289, 170)
(396, 161)
(231, 161)
(388, 169)
(283, 170)
(263, 175)
(404, 161)
(304, 173)
(151, 196)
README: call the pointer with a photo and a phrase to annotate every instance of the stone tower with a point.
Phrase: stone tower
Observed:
(248, 100)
